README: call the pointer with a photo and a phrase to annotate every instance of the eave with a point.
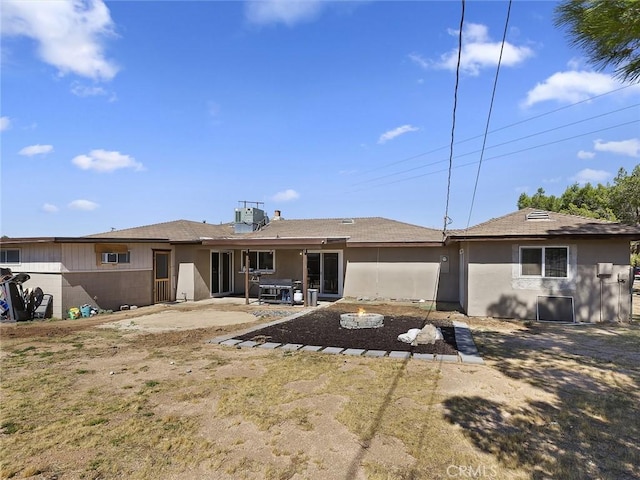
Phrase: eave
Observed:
(27, 240)
(275, 241)
(410, 244)
(575, 236)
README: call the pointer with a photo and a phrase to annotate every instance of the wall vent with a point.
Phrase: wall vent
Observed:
(538, 215)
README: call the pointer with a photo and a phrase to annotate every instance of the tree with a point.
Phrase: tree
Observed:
(539, 200)
(587, 201)
(608, 30)
(625, 196)
(618, 202)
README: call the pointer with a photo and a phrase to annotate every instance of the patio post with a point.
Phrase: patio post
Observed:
(246, 277)
(305, 277)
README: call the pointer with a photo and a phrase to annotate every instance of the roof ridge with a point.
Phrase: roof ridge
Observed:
(601, 220)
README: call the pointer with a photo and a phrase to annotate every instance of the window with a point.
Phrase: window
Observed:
(262, 260)
(109, 257)
(9, 255)
(549, 262)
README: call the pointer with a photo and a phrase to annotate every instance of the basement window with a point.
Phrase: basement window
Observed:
(546, 262)
(111, 257)
(10, 255)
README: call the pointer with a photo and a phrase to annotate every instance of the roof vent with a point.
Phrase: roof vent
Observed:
(348, 221)
(538, 215)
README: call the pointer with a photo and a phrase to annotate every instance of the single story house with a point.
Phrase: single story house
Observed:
(527, 264)
(534, 264)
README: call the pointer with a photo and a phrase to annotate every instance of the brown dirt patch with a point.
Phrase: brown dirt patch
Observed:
(78, 401)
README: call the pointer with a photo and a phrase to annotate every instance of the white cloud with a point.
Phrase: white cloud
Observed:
(584, 155)
(5, 123)
(552, 180)
(574, 64)
(478, 52)
(49, 208)
(420, 60)
(80, 90)
(263, 12)
(591, 176)
(396, 132)
(104, 161)
(630, 148)
(285, 196)
(69, 34)
(87, 205)
(32, 150)
(571, 87)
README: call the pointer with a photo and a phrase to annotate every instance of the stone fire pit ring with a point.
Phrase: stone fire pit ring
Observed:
(361, 320)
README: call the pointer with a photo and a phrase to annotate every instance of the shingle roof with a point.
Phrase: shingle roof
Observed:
(530, 222)
(176, 231)
(371, 230)
(355, 230)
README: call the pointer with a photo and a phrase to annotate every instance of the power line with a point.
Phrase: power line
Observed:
(473, 152)
(505, 127)
(502, 155)
(453, 123)
(486, 129)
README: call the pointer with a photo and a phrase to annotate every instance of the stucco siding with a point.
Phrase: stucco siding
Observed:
(400, 273)
(202, 274)
(508, 294)
(289, 264)
(107, 290)
(604, 298)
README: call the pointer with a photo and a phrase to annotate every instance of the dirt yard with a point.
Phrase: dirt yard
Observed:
(141, 394)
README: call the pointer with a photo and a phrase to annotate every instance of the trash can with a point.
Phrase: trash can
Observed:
(312, 297)
(85, 310)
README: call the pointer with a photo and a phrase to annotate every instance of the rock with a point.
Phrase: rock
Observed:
(410, 336)
(428, 335)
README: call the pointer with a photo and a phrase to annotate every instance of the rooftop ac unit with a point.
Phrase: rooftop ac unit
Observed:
(249, 219)
(249, 215)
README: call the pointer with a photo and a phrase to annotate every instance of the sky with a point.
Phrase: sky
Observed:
(128, 113)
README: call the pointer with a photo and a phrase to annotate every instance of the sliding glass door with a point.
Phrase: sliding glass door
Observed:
(325, 272)
(221, 273)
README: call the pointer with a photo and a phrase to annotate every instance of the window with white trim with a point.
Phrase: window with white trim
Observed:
(262, 260)
(111, 257)
(546, 262)
(10, 255)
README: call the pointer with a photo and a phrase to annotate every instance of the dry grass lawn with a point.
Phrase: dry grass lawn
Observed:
(82, 402)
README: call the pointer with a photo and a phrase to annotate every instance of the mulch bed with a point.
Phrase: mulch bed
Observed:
(322, 327)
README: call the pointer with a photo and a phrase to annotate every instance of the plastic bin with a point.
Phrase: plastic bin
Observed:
(312, 297)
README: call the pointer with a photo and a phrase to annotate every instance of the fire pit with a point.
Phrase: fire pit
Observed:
(361, 319)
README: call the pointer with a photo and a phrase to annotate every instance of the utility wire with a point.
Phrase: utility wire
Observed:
(486, 129)
(504, 127)
(473, 152)
(453, 123)
(502, 155)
